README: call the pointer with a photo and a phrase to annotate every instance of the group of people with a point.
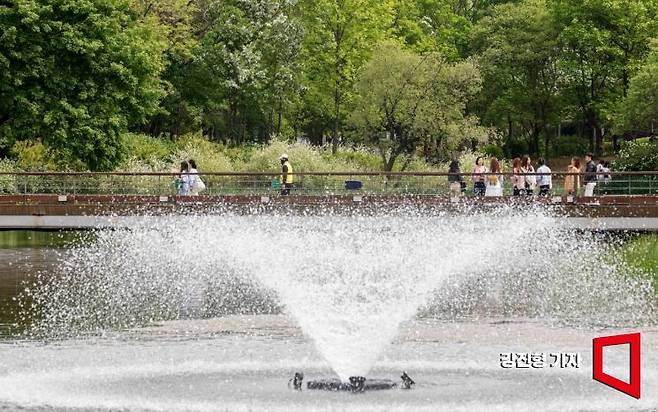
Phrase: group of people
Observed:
(487, 181)
(187, 180)
(593, 174)
(525, 180)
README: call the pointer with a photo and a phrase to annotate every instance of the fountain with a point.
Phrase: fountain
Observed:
(349, 280)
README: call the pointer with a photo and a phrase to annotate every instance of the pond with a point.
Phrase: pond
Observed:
(219, 311)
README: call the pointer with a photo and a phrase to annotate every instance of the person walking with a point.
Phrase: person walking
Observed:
(196, 184)
(495, 179)
(455, 179)
(545, 179)
(590, 175)
(603, 172)
(518, 182)
(184, 179)
(287, 178)
(529, 180)
(572, 181)
(479, 185)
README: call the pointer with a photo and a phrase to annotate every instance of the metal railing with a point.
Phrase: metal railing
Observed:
(306, 183)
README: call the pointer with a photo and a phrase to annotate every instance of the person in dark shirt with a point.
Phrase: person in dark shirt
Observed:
(455, 179)
(590, 175)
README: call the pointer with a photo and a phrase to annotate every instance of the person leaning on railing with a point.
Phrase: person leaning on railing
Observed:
(544, 180)
(182, 179)
(455, 179)
(572, 182)
(529, 179)
(518, 181)
(479, 185)
(494, 180)
(590, 175)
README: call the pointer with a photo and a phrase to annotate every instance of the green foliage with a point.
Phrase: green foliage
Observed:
(77, 74)
(642, 253)
(340, 36)
(516, 147)
(182, 108)
(568, 146)
(405, 101)
(494, 151)
(603, 42)
(8, 182)
(639, 110)
(33, 156)
(518, 52)
(431, 26)
(84, 82)
(144, 147)
(208, 156)
(637, 156)
(249, 57)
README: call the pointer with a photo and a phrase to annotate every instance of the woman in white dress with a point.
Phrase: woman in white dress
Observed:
(196, 184)
(494, 180)
(530, 180)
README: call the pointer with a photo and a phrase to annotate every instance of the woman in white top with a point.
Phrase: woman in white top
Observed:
(530, 180)
(494, 181)
(194, 178)
(196, 184)
(479, 185)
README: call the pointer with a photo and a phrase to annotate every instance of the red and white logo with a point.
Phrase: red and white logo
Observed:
(631, 388)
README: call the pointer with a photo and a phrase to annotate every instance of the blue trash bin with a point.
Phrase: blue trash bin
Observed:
(353, 184)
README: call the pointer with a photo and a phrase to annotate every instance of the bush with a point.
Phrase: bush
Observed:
(494, 151)
(637, 156)
(360, 158)
(515, 148)
(568, 146)
(8, 182)
(146, 148)
(33, 156)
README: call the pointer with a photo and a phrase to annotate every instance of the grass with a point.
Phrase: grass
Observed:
(13, 239)
(642, 253)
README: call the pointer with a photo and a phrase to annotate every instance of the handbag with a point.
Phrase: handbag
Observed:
(200, 186)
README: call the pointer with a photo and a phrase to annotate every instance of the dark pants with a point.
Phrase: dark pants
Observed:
(544, 190)
(285, 189)
(479, 188)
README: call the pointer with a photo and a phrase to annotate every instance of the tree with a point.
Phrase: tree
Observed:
(602, 43)
(340, 35)
(431, 26)
(407, 100)
(76, 74)
(519, 54)
(638, 112)
(249, 52)
(181, 110)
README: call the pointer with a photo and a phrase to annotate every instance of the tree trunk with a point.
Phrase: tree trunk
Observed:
(592, 138)
(334, 135)
(536, 131)
(598, 150)
(280, 117)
